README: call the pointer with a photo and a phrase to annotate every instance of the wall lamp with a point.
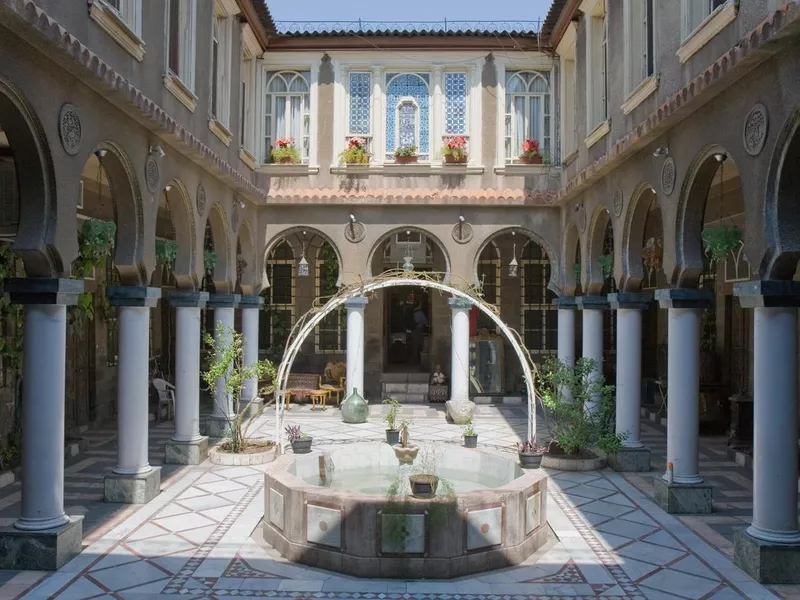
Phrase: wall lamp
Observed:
(661, 150)
(157, 150)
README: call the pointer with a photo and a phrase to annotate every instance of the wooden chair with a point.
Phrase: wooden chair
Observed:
(335, 373)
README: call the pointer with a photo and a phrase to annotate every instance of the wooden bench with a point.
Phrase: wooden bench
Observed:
(308, 385)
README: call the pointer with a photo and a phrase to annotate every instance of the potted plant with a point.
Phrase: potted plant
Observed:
(356, 152)
(470, 435)
(530, 153)
(405, 155)
(454, 150)
(405, 452)
(392, 433)
(301, 442)
(424, 481)
(284, 152)
(530, 454)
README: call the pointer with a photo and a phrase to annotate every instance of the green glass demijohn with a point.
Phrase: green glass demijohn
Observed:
(355, 409)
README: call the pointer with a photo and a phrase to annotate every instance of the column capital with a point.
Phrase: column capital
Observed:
(223, 300)
(130, 295)
(684, 298)
(187, 299)
(35, 290)
(356, 302)
(768, 294)
(460, 303)
(591, 302)
(630, 301)
(565, 303)
(250, 302)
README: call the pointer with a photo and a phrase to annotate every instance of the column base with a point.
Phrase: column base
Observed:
(683, 498)
(630, 460)
(46, 550)
(186, 453)
(766, 562)
(460, 411)
(218, 427)
(132, 489)
(254, 408)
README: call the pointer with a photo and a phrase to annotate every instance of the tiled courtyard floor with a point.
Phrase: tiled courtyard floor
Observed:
(200, 537)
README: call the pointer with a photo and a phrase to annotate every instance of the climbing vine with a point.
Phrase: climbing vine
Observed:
(11, 353)
(166, 252)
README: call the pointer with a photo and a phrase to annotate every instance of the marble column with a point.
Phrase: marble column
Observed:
(459, 407)
(355, 344)
(634, 456)
(224, 305)
(44, 537)
(592, 308)
(683, 490)
(566, 329)
(769, 550)
(133, 480)
(251, 310)
(187, 446)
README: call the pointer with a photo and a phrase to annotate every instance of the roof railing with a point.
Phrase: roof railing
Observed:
(443, 26)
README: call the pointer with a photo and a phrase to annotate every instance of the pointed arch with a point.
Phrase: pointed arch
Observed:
(181, 213)
(633, 237)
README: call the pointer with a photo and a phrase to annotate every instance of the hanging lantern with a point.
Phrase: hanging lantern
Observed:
(302, 266)
(513, 266)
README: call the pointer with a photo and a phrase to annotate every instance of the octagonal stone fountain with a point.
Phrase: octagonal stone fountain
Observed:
(347, 510)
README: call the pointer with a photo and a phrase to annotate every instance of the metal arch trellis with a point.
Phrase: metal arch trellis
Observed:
(306, 324)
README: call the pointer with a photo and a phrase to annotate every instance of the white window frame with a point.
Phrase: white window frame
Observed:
(222, 34)
(597, 125)
(639, 39)
(368, 137)
(696, 36)
(687, 28)
(129, 12)
(305, 116)
(187, 20)
(569, 93)
(434, 124)
(547, 106)
(443, 135)
(123, 24)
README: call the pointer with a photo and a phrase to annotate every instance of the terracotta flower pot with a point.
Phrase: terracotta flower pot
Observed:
(452, 160)
(405, 160)
(531, 160)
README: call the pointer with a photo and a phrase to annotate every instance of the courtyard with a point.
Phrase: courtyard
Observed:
(200, 538)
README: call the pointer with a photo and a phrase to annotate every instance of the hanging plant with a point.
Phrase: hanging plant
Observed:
(652, 254)
(210, 260)
(576, 271)
(719, 241)
(606, 265)
(166, 252)
(95, 243)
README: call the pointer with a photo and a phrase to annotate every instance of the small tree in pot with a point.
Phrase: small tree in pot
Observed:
(301, 443)
(405, 452)
(470, 435)
(392, 433)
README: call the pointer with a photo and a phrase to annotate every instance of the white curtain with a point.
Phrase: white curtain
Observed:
(296, 123)
(520, 130)
(280, 117)
(534, 122)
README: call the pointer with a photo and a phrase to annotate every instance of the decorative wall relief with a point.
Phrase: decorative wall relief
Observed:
(69, 129)
(581, 218)
(201, 200)
(355, 231)
(668, 176)
(618, 202)
(755, 129)
(151, 174)
(463, 233)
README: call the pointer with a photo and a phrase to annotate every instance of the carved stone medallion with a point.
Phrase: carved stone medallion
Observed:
(69, 129)
(151, 174)
(463, 233)
(618, 203)
(668, 176)
(354, 232)
(756, 127)
(201, 200)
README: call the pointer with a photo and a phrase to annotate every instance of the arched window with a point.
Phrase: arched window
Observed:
(279, 299)
(286, 111)
(408, 113)
(329, 334)
(539, 316)
(527, 112)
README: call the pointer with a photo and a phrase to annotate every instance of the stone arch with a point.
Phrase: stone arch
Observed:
(396, 230)
(286, 233)
(592, 273)
(689, 264)
(782, 216)
(247, 281)
(36, 188)
(179, 203)
(223, 272)
(633, 229)
(126, 197)
(571, 256)
(531, 235)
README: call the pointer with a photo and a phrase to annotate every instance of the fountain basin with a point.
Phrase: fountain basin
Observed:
(347, 510)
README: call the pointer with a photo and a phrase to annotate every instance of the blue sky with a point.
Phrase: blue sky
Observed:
(408, 10)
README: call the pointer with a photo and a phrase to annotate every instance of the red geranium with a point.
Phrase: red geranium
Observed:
(530, 147)
(284, 142)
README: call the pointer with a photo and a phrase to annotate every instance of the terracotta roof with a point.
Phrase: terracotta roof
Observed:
(503, 197)
(266, 18)
(102, 76)
(552, 16)
(558, 17)
(753, 48)
(407, 28)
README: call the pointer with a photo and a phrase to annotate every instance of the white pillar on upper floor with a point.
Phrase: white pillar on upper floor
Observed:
(629, 309)
(251, 310)
(355, 344)
(43, 358)
(459, 356)
(775, 410)
(683, 380)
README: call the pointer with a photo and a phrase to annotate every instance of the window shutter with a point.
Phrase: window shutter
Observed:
(9, 198)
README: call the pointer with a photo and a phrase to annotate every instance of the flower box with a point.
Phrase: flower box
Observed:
(406, 160)
(452, 160)
(531, 160)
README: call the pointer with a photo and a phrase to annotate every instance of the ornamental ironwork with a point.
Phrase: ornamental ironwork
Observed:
(755, 129)
(435, 27)
(69, 129)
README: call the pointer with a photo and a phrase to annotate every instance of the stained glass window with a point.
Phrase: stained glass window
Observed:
(407, 95)
(360, 101)
(455, 103)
